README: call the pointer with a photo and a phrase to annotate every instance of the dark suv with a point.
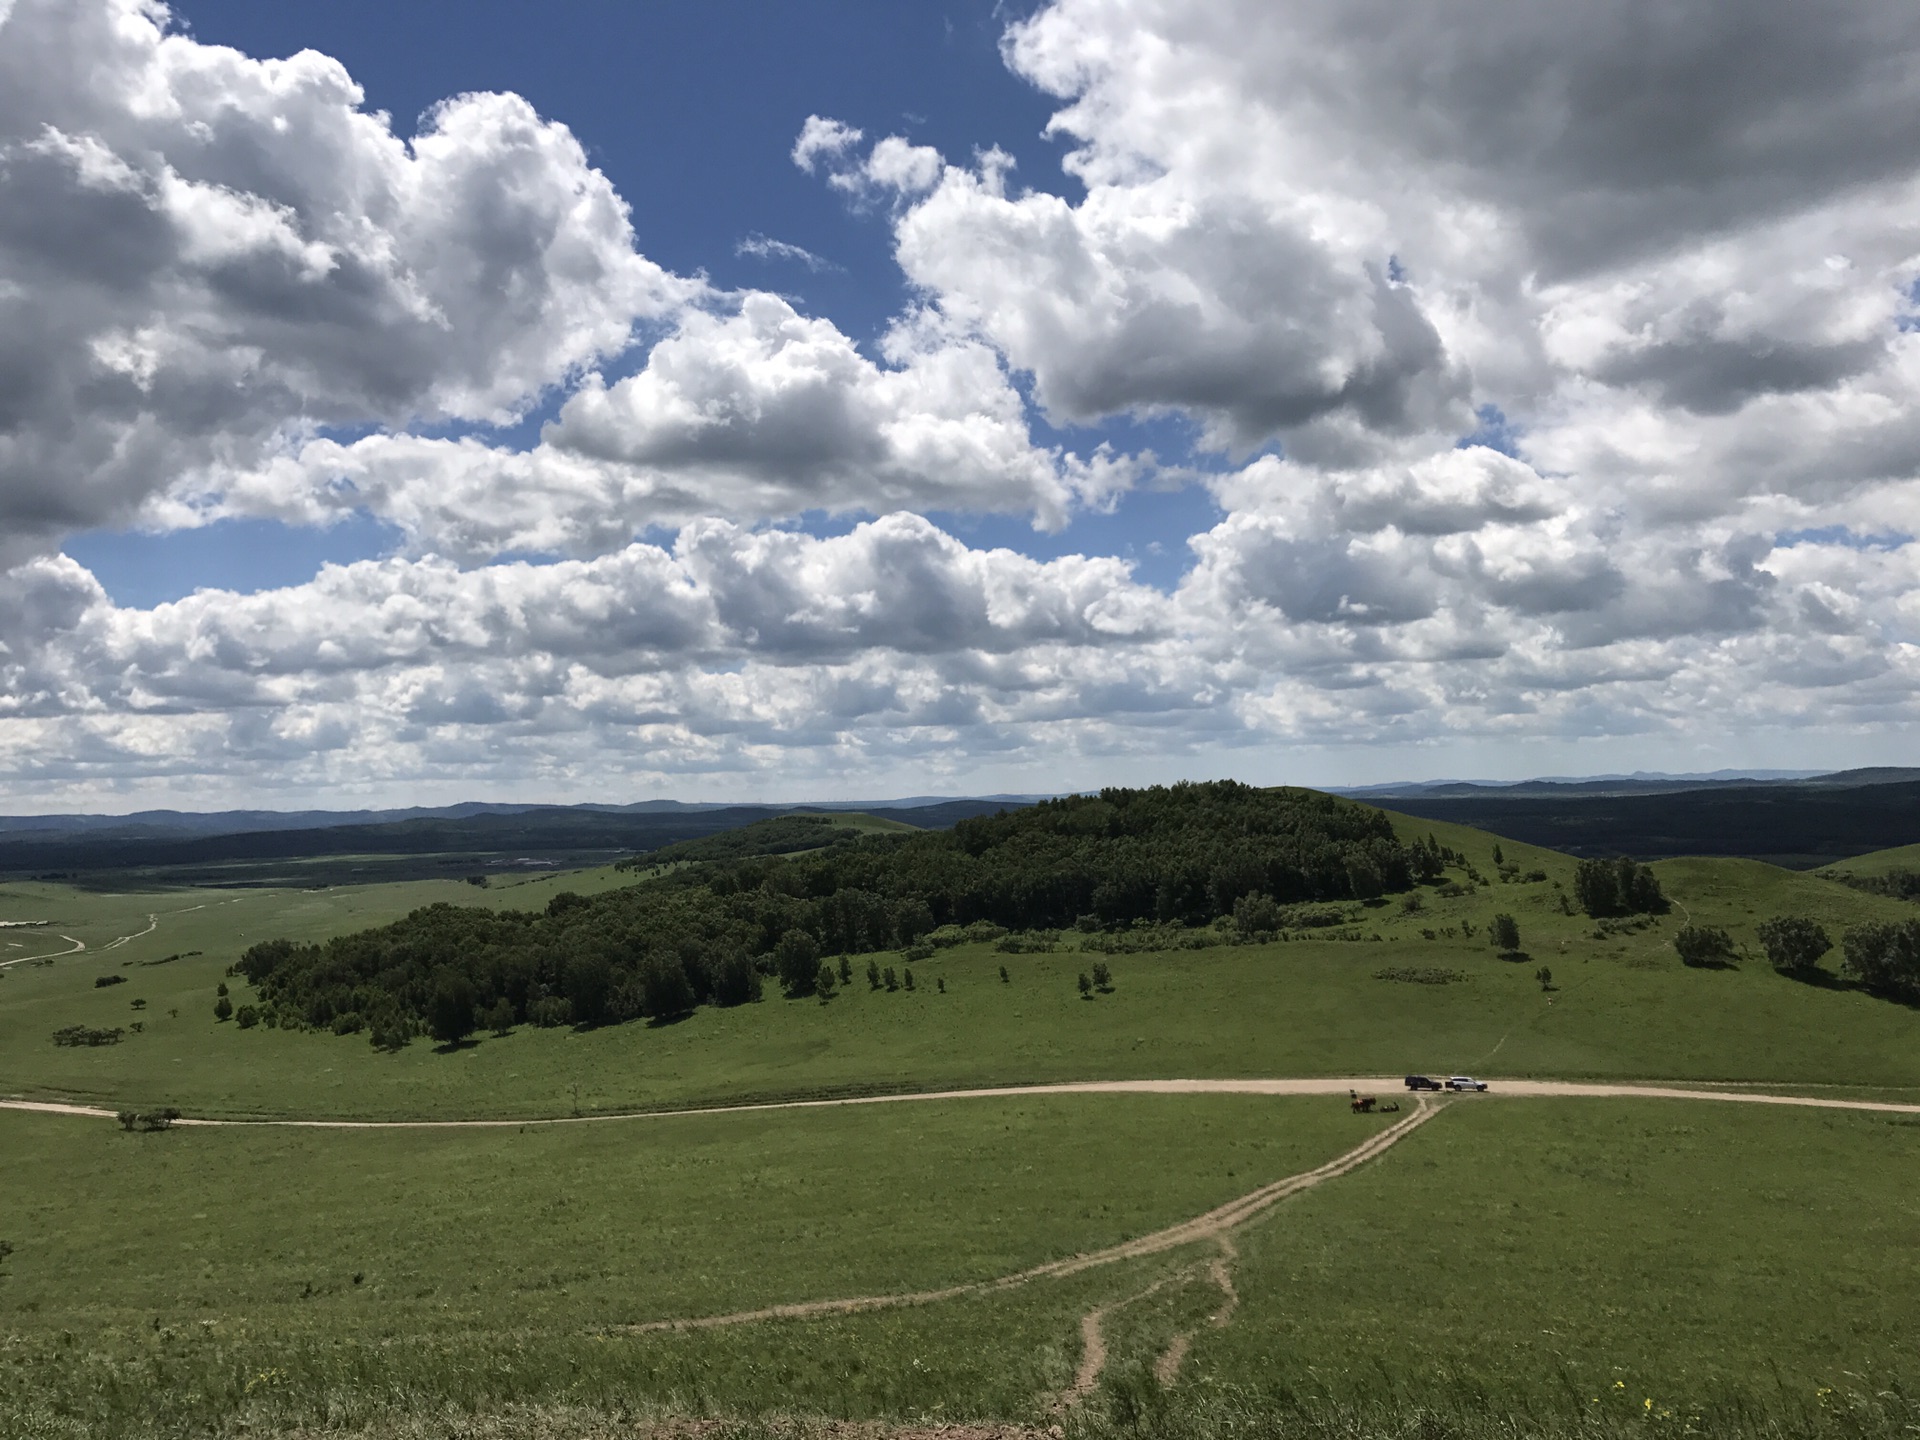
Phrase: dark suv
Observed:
(1422, 1082)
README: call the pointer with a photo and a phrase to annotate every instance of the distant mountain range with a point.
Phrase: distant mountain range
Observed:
(473, 834)
(1639, 783)
(1798, 818)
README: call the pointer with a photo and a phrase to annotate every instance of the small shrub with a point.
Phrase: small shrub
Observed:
(846, 971)
(906, 979)
(139, 1004)
(1793, 943)
(223, 1007)
(1086, 986)
(825, 982)
(891, 980)
(1545, 977)
(221, 988)
(1102, 978)
(917, 953)
(1421, 975)
(1005, 979)
(1704, 946)
(100, 982)
(873, 975)
(247, 1016)
(940, 984)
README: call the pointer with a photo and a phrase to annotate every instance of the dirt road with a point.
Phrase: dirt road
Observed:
(1383, 1086)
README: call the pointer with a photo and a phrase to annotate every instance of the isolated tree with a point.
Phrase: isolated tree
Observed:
(940, 984)
(450, 1008)
(1596, 888)
(1498, 858)
(127, 1118)
(846, 971)
(221, 988)
(906, 977)
(1005, 979)
(501, 1017)
(1885, 958)
(796, 960)
(1086, 986)
(1102, 977)
(873, 974)
(1704, 945)
(825, 983)
(1793, 943)
(1504, 932)
(1545, 977)
(223, 1007)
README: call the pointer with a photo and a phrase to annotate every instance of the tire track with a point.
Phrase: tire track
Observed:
(1199, 1228)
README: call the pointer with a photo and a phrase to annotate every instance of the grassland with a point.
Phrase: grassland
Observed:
(1623, 1007)
(338, 1246)
(1509, 1258)
(1547, 1266)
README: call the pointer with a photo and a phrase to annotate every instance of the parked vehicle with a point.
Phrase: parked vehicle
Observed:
(1465, 1082)
(1422, 1082)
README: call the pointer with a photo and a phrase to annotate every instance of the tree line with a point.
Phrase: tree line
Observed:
(714, 933)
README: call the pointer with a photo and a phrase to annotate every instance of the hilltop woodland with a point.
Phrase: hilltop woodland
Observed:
(707, 933)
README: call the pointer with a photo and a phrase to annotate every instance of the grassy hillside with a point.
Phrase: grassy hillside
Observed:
(1623, 1006)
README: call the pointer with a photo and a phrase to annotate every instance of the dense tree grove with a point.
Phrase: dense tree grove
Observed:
(708, 933)
(1617, 887)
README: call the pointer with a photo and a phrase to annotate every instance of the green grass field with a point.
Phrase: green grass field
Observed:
(1623, 1007)
(1554, 1262)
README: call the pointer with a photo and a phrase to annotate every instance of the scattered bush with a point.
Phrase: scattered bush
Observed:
(825, 983)
(1704, 946)
(1793, 942)
(100, 982)
(873, 974)
(1421, 975)
(223, 1007)
(551, 1011)
(846, 971)
(906, 978)
(891, 980)
(1617, 887)
(1005, 979)
(1885, 958)
(501, 1017)
(1102, 978)
(917, 953)
(247, 1016)
(1545, 977)
(161, 1119)
(1504, 933)
(390, 1034)
(1086, 986)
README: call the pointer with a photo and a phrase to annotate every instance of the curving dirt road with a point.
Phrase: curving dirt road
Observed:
(1384, 1086)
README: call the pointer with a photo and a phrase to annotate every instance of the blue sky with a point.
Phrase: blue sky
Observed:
(408, 403)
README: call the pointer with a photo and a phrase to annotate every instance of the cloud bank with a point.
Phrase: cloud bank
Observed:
(1555, 373)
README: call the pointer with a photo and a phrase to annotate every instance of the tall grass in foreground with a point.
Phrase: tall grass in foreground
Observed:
(796, 1383)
